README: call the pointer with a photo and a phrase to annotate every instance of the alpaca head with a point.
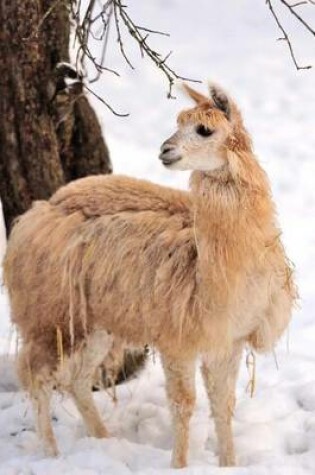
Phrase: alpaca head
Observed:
(205, 133)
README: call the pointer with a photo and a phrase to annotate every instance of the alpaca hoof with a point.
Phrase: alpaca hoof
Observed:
(101, 433)
(51, 451)
(227, 461)
(179, 462)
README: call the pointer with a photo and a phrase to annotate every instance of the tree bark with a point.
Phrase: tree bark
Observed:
(47, 137)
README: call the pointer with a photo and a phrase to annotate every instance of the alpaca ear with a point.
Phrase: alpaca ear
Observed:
(220, 100)
(195, 95)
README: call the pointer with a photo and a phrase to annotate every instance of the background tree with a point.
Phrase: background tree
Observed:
(46, 138)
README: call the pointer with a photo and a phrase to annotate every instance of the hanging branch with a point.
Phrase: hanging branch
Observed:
(83, 29)
(291, 8)
(285, 36)
(113, 11)
(119, 114)
(136, 32)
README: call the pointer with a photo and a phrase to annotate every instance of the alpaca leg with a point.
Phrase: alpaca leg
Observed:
(38, 383)
(220, 381)
(180, 387)
(83, 368)
(83, 398)
(40, 396)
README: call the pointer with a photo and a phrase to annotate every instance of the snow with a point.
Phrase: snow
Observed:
(234, 44)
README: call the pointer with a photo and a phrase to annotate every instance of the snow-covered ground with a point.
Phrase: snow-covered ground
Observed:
(234, 44)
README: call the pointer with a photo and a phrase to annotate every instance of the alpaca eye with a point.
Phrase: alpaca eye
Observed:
(203, 131)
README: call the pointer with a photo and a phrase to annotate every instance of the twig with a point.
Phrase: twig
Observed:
(298, 17)
(119, 38)
(145, 49)
(105, 103)
(116, 11)
(298, 4)
(104, 47)
(156, 32)
(285, 36)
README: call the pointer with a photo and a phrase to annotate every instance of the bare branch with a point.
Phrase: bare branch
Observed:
(298, 17)
(99, 13)
(285, 36)
(105, 103)
(136, 33)
(156, 32)
(105, 35)
(297, 4)
(119, 38)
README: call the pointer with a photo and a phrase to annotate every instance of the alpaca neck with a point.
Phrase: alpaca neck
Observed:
(233, 215)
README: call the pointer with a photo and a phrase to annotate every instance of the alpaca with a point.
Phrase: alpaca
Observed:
(191, 273)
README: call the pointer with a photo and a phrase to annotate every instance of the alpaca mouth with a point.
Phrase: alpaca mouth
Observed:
(168, 156)
(169, 161)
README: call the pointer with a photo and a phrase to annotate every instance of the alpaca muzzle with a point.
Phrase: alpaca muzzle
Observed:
(169, 154)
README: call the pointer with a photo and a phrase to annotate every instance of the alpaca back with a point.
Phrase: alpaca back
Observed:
(110, 194)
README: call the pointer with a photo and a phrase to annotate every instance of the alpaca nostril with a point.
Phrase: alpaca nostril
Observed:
(166, 148)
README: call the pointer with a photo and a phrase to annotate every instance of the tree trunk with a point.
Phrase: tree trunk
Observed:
(47, 137)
